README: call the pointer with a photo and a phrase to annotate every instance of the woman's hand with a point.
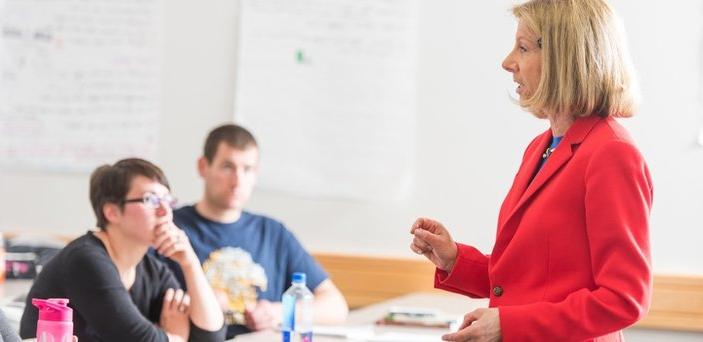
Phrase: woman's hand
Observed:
(172, 242)
(479, 325)
(175, 315)
(433, 241)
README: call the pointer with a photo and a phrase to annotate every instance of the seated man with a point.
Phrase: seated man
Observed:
(117, 291)
(248, 258)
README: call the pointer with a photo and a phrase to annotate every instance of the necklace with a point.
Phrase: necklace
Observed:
(548, 152)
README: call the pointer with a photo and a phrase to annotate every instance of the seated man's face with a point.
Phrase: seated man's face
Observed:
(230, 177)
(139, 220)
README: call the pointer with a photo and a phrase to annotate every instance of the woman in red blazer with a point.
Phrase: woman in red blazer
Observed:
(571, 260)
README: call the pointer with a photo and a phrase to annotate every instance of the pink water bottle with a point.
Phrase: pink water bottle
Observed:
(55, 322)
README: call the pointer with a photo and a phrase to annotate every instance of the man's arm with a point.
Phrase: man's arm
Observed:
(330, 305)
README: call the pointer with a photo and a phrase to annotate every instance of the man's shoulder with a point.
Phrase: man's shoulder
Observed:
(263, 222)
(186, 211)
(252, 216)
(187, 218)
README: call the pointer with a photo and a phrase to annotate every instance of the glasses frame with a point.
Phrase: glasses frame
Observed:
(152, 200)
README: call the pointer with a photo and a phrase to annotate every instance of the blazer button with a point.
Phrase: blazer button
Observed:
(498, 291)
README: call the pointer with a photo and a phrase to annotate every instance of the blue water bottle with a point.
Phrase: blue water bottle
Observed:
(297, 311)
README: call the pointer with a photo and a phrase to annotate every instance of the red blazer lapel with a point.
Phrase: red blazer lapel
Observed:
(526, 185)
(523, 178)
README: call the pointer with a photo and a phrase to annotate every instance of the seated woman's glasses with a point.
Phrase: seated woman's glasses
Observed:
(153, 200)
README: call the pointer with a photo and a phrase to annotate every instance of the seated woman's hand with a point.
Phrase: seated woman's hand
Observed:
(173, 243)
(175, 314)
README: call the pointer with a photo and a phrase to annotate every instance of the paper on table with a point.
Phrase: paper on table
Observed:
(404, 337)
(359, 332)
(367, 333)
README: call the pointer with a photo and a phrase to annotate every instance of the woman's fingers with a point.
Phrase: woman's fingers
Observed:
(185, 303)
(177, 299)
(468, 319)
(419, 246)
(429, 239)
(164, 239)
(428, 225)
(170, 241)
(417, 224)
(168, 298)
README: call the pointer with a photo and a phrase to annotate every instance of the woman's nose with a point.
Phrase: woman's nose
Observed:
(509, 64)
(163, 208)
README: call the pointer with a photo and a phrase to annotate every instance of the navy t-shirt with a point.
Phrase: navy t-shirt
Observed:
(265, 241)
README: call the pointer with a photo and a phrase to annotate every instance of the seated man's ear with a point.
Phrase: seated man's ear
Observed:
(203, 164)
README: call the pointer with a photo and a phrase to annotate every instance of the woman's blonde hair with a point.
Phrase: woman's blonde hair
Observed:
(586, 68)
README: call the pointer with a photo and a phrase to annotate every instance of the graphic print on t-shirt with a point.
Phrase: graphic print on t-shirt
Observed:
(235, 276)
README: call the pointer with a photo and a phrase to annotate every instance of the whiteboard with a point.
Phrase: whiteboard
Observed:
(329, 89)
(80, 83)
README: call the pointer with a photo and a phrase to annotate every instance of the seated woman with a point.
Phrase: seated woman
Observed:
(119, 292)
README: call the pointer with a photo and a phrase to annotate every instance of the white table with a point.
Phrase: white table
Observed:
(360, 319)
(12, 288)
(363, 318)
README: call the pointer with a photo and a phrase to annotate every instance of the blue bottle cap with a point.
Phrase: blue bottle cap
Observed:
(299, 277)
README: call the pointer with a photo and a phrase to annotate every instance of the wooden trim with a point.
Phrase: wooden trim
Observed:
(677, 304)
(366, 280)
(60, 238)
(677, 301)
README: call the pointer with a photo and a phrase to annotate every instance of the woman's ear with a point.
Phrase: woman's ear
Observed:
(112, 212)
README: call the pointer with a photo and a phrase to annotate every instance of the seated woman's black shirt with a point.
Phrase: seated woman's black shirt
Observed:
(103, 310)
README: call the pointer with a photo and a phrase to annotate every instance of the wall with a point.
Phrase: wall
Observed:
(470, 137)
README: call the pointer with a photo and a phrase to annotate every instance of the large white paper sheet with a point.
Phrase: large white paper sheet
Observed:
(80, 83)
(329, 89)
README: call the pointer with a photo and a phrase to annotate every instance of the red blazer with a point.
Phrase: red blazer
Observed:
(571, 260)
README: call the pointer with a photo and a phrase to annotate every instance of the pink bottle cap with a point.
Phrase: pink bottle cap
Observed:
(53, 309)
